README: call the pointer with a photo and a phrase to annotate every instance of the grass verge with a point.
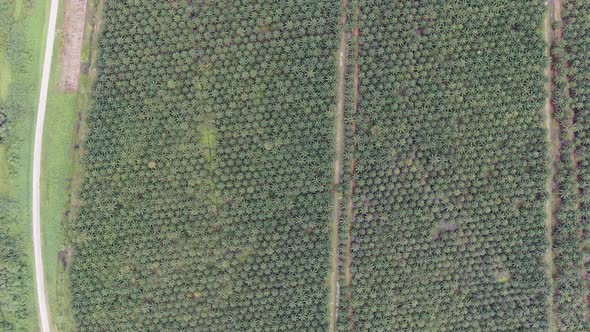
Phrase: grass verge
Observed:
(60, 169)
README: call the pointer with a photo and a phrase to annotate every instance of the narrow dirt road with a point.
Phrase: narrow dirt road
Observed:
(553, 138)
(337, 199)
(39, 275)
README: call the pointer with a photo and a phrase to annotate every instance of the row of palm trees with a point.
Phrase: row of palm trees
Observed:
(208, 164)
(450, 182)
(570, 99)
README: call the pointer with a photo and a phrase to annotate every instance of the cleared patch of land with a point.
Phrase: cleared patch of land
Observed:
(73, 37)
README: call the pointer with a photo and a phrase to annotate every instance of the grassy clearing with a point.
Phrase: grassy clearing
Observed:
(56, 173)
(57, 170)
(20, 9)
(5, 76)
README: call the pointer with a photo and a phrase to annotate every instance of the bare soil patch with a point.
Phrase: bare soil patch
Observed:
(73, 30)
(65, 256)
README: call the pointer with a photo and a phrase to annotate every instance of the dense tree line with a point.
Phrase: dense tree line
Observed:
(448, 231)
(571, 97)
(206, 201)
(17, 309)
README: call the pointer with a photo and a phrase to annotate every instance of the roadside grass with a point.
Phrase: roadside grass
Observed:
(55, 176)
(60, 168)
(55, 170)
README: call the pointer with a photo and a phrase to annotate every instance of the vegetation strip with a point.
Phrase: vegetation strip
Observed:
(353, 163)
(81, 127)
(39, 276)
(576, 19)
(572, 133)
(570, 70)
(339, 149)
(22, 34)
(61, 157)
(554, 149)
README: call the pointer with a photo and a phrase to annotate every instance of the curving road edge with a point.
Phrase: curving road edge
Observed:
(39, 276)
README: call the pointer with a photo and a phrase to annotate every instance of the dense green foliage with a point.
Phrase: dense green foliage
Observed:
(206, 204)
(6, 20)
(15, 280)
(206, 201)
(572, 112)
(449, 226)
(17, 95)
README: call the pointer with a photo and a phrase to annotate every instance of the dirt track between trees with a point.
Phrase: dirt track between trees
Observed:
(339, 152)
(554, 145)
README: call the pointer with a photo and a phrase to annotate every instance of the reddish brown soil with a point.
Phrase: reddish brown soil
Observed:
(73, 32)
